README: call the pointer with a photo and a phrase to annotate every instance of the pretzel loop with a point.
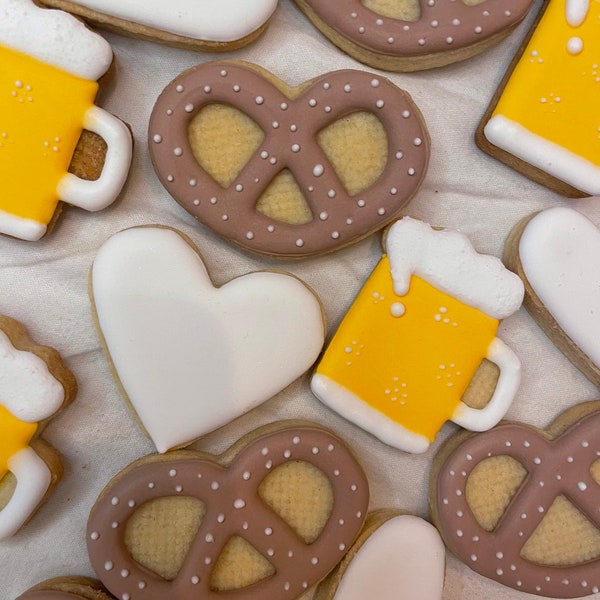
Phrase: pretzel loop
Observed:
(554, 468)
(290, 142)
(233, 508)
(443, 25)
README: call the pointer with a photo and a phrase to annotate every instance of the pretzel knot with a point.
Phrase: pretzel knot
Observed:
(49, 595)
(233, 508)
(443, 25)
(554, 467)
(290, 128)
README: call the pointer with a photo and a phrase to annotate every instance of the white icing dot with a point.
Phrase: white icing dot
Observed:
(582, 486)
(312, 102)
(271, 552)
(499, 555)
(157, 138)
(314, 560)
(397, 309)
(246, 475)
(296, 440)
(195, 579)
(268, 531)
(178, 151)
(236, 88)
(474, 557)
(249, 235)
(151, 485)
(295, 148)
(575, 46)
(114, 501)
(214, 485)
(179, 489)
(124, 573)
(108, 565)
(293, 128)
(179, 88)
(209, 538)
(223, 73)
(196, 202)
(239, 503)
(142, 585)
(220, 518)
(239, 187)
(318, 170)
(283, 106)
(347, 88)
(380, 104)
(459, 533)
(172, 473)
(207, 89)
(115, 524)
(299, 243)
(405, 114)
(259, 100)
(94, 535)
(189, 108)
(275, 124)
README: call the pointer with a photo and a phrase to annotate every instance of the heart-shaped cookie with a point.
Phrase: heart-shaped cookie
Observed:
(411, 36)
(554, 252)
(520, 505)
(348, 148)
(191, 357)
(396, 556)
(206, 25)
(290, 495)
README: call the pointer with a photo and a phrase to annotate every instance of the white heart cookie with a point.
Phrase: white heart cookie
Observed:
(191, 357)
(206, 20)
(404, 557)
(558, 253)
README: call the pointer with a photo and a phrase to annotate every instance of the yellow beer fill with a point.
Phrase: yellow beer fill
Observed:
(420, 351)
(15, 435)
(555, 93)
(42, 110)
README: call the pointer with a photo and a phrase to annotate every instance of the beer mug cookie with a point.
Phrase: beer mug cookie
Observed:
(268, 519)
(520, 505)
(396, 556)
(408, 348)
(288, 172)
(543, 121)
(34, 386)
(208, 25)
(400, 35)
(554, 252)
(51, 64)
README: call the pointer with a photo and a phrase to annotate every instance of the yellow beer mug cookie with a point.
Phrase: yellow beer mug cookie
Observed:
(48, 83)
(544, 120)
(404, 355)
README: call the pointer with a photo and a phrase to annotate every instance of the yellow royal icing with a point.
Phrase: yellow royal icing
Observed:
(409, 357)
(15, 435)
(554, 90)
(42, 111)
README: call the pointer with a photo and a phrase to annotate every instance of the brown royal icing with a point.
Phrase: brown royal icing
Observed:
(290, 128)
(557, 467)
(233, 507)
(444, 25)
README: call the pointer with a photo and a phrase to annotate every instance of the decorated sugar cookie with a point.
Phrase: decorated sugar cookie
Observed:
(209, 25)
(51, 64)
(399, 35)
(67, 588)
(288, 172)
(543, 121)
(520, 505)
(268, 519)
(554, 254)
(408, 348)
(396, 556)
(191, 357)
(34, 386)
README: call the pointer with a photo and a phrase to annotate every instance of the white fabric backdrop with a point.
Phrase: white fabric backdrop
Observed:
(44, 285)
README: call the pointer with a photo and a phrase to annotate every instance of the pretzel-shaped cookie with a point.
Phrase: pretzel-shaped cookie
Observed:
(448, 28)
(233, 508)
(555, 467)
(290, 128)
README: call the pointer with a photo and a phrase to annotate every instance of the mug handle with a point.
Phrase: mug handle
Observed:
(98, 194)
(33, 480)
(482, 419)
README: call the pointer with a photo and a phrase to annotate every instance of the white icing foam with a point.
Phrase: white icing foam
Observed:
(447, 260)
(577, 11)
(54, 37)
(209, 20)
(27, 388)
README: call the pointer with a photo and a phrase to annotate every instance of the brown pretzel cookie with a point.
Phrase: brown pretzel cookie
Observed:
(67, 588)
(288, 172)
(520, 505)
(412, 36)
(268, 519)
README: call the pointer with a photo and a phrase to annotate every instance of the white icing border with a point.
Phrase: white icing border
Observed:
(19, 227)
(543, 154)
(55, 38)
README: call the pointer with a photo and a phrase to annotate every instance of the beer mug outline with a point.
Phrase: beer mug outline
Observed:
(29, 394)
(410, 344)
(48, 89)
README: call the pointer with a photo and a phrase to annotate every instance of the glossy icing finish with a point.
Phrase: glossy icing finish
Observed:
(290, 128)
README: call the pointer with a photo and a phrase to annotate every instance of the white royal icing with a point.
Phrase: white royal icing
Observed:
(54, 37)
(577, 11)
(559, 252)
(27, 388)
(447, 260)
(192, 357)
(33, 480)
(404, 558)
(209, 20)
